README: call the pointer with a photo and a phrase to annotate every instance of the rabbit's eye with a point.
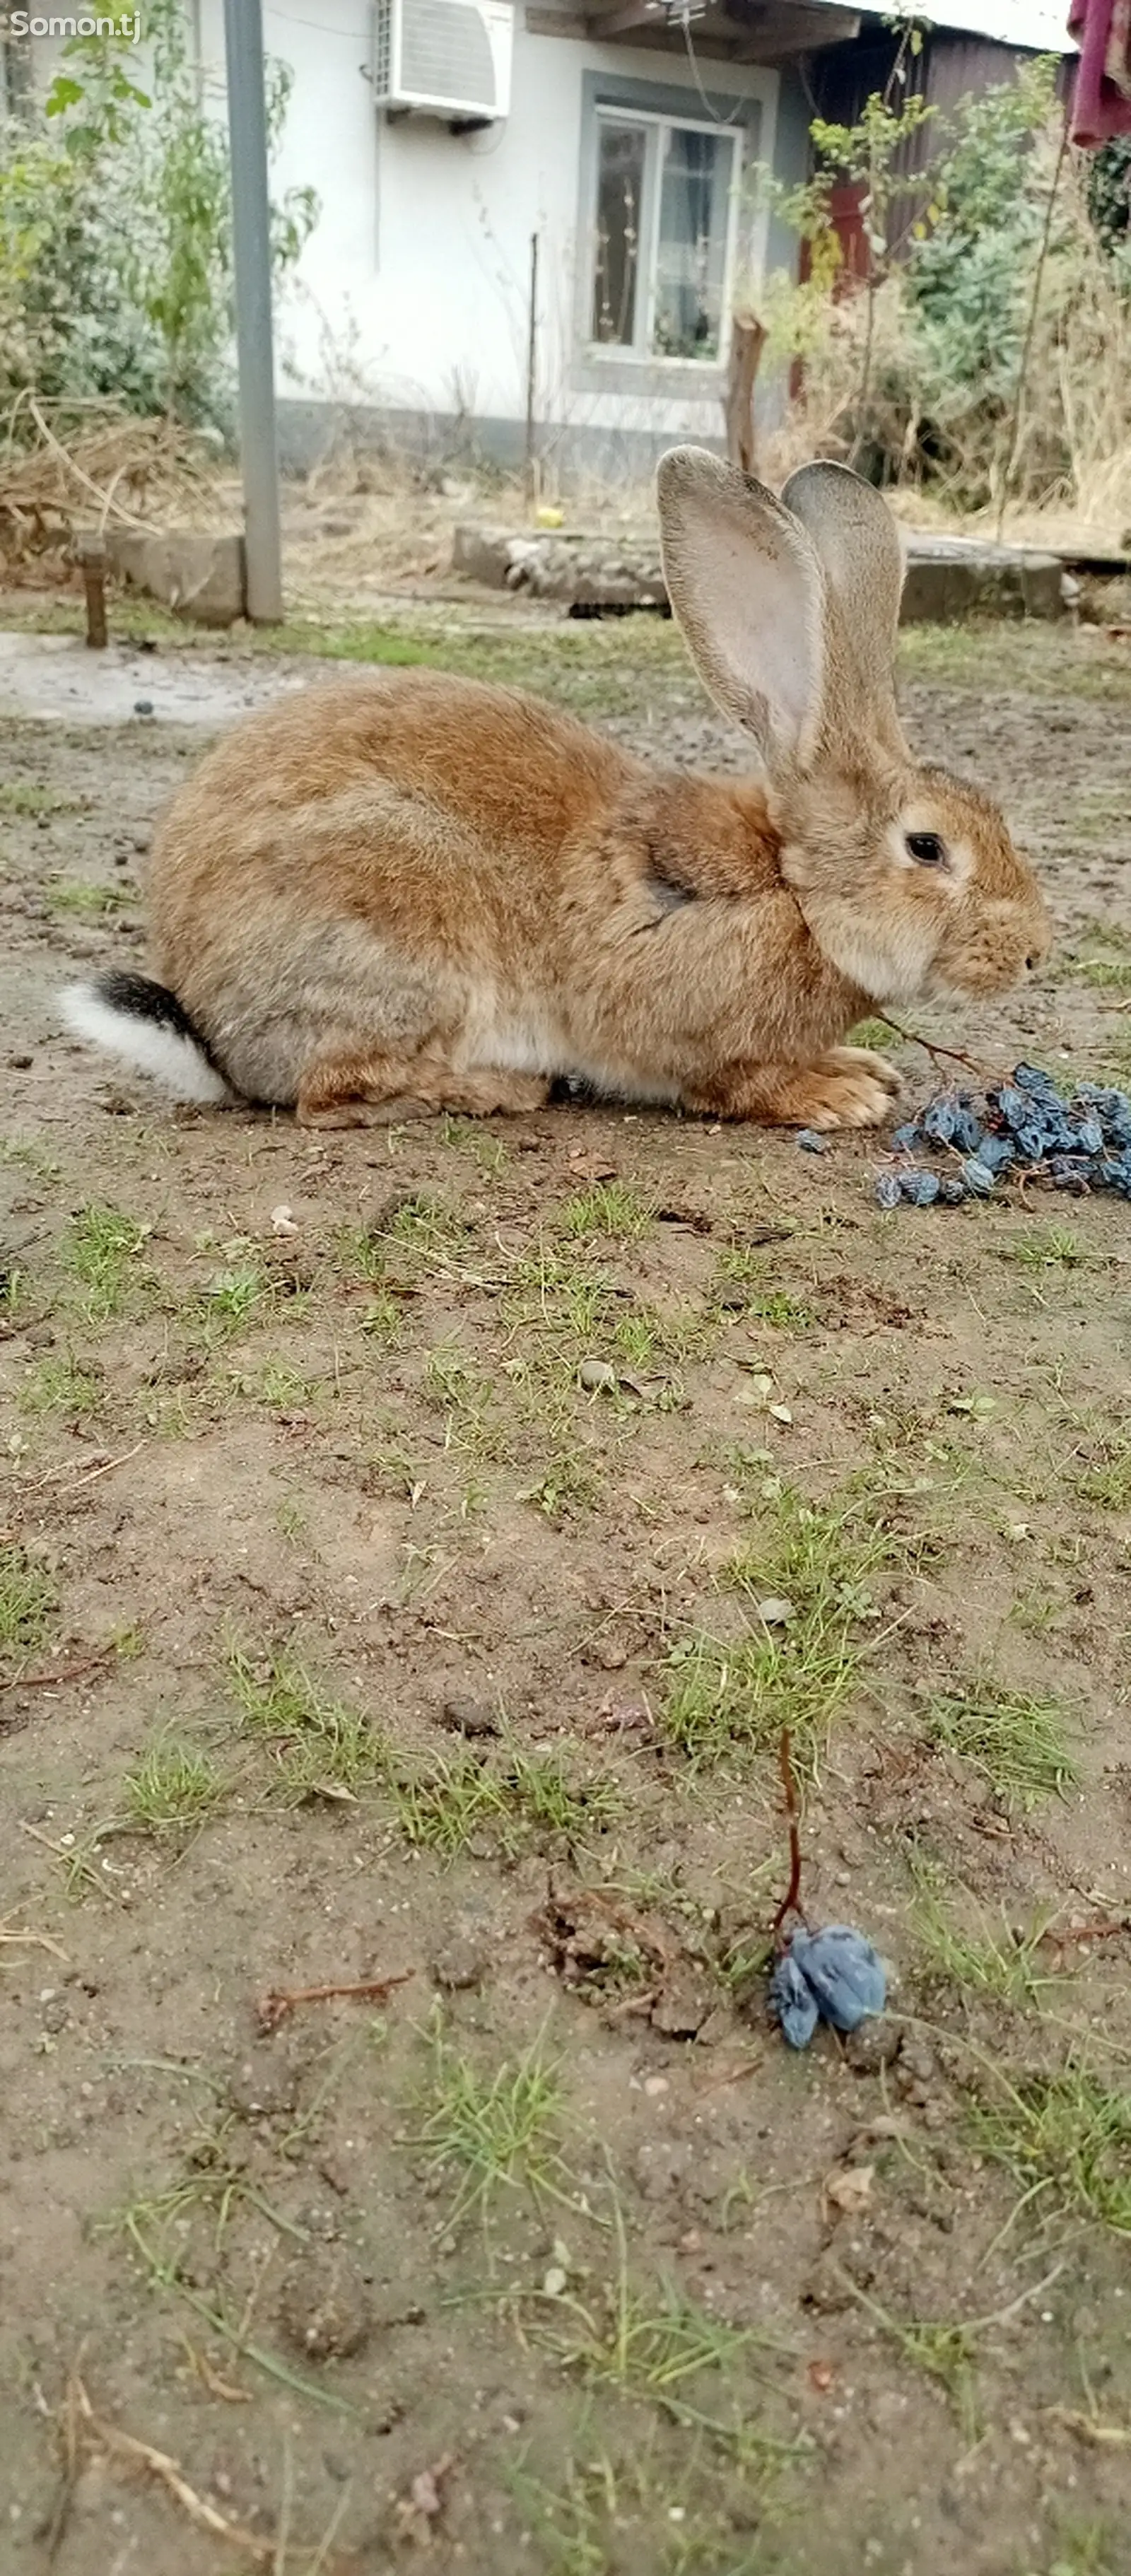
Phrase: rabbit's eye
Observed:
(927, 849)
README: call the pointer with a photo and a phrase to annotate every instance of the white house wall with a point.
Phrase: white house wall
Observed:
(413, 292)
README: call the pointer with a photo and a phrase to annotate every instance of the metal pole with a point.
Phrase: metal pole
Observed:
(530, 461)
(251, 241)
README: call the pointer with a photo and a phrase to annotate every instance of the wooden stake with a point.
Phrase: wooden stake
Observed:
(748, 339)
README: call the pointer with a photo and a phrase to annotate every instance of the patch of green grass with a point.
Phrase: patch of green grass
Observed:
(466, 1397)
(425, 1227)
(1046, 1247)
(631, 2509)
(61, 1386)
(1036, 1609)
(611, 1208)
(470, 1135)
(232, 1296)
(569, 1485)
(101, 1254)
(1017, 1740)
(450, 1806)
(876, 1034)
(320, 1748)
(656, 2345)
(1027, 654)
(235, 1294)
(383, 1321)
(90, 902)
(738, 1694)
(28, 1156)
(1106, 1480)
(362, 1251)
(1083, 2549)
(778, 1307)
(172, 1788)
(31, 796)
(555, 1290)
(445, 1808)
(1066, 2140)
(283, 1388)
(989, 1960)
(1106, 968)
(544, 1796)
(491, 2133)
(27, 1600)
(650, 1337)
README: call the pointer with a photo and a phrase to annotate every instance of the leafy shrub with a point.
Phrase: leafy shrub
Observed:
(115, 232)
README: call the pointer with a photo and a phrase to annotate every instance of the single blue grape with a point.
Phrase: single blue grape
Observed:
(843, 1971)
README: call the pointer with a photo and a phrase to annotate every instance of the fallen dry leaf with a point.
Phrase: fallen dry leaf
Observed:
(849, 2189)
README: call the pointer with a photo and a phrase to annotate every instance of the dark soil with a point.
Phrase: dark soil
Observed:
(345, 1634)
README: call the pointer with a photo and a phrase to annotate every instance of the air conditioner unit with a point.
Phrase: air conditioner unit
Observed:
(449, 58)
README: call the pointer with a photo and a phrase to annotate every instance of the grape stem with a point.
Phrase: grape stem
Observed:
(791, 1901)
(953, 1055)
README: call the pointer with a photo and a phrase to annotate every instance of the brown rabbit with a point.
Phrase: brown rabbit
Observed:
(408, 892)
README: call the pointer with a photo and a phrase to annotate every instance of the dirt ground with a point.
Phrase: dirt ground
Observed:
(386, 1522)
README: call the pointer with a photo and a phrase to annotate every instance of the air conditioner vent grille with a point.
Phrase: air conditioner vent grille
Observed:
(446, 52)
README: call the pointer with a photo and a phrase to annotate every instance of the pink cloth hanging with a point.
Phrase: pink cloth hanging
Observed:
(1101, 103)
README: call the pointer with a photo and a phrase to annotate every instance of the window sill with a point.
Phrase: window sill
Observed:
(692, 379)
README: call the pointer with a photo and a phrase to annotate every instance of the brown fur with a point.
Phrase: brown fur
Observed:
(407, 892)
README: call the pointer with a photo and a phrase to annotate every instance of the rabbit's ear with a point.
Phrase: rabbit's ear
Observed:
(746, 586)
(861, 556)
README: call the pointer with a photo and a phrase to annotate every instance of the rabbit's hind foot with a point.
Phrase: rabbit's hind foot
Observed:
(375, 1090)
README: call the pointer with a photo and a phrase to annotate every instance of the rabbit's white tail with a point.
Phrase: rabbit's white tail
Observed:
(144, 1024)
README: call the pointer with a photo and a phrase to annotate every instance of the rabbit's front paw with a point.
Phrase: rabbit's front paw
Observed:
(850, 1087)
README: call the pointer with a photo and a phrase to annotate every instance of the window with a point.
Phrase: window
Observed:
(663, 234)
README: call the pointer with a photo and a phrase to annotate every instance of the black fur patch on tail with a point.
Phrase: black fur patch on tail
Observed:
(144, 999)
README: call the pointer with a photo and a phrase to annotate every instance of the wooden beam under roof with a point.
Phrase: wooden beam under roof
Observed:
(751, 31)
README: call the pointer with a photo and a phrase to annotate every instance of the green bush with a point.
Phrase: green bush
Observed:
(115, 232)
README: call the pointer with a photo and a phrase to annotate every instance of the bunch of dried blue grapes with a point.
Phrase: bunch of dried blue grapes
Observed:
(1022, 1130)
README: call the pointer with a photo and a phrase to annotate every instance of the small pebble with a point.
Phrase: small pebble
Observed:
(143, 706)
(460, 1963)
(324, 2305)
(469, 1717)
(810, 1142)
(597, 1377)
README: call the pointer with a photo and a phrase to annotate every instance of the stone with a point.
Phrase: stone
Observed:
(598, 1377)
(948, 578)
(873, 2044)
(202, 578)
(324, 2304)
(462, 1962)
(952, 578)
(469, 1717)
